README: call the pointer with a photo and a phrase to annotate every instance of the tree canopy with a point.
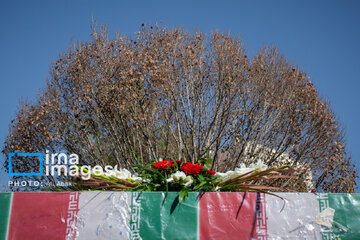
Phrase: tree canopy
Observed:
(184, 95)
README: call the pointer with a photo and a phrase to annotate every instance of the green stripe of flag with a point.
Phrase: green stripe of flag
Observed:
(347, 211)
(165, 218)
(346, 222)
(5, 201)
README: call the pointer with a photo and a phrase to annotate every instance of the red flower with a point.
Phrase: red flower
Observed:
(210, 172)
(191, 168)
(166, 164)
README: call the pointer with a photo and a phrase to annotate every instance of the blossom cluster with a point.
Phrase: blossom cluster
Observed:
(191, 169)
(187, 167)
(172, 175)
(124, 174)
(184, 173)
(166, 164)
(180, 178)
(258, 166)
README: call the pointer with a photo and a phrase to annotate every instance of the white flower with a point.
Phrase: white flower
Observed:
(241, 171)
(226, 175)
(180, 176)
(122, 173)
(125, 174)
(259, 165)
(146, 180)
(189, 181)
(220, 174)
(231, 174)
(137, 179)
(169, 180)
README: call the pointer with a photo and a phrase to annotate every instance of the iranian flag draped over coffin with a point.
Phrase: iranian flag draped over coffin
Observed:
(151, 215)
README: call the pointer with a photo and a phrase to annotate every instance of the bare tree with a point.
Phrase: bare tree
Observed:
(175, 94)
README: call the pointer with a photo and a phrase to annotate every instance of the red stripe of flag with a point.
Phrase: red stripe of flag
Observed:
(39, 216)
(228, 216)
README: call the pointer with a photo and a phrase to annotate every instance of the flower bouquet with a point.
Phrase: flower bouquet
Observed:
(174, 175)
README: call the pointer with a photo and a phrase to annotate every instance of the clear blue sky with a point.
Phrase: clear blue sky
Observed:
(322, 37)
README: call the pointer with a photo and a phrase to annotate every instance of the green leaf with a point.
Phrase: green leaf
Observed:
(167, 186)
(183, 193)
(201, 178)
(206, 162)
(199, 185)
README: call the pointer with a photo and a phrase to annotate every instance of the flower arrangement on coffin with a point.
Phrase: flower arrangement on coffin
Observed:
(173, 175)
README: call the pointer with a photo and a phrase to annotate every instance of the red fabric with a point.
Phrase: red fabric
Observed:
(39, 216)
(227, 216)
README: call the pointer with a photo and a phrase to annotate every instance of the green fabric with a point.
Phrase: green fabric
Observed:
(347, 212)
(346, 222)
(166, 217)
(5, 199)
